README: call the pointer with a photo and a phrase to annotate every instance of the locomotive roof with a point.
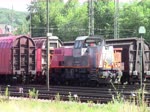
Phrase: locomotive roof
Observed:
(90, 37)
(81, 38)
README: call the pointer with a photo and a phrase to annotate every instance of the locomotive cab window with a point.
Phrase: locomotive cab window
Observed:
(93, 42)
(53, 45)
(78, 44)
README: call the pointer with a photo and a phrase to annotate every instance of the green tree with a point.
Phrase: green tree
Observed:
(69, 20)
(104, 18)
(133, 16)
(15, 19)
(66, 20)
(72, 20)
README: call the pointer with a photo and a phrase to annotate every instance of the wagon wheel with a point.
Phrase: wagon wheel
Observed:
(122, 80)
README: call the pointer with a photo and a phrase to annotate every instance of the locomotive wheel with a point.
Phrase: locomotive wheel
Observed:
(125, 78)
(122, 80)
(93, 83)
(129, 79)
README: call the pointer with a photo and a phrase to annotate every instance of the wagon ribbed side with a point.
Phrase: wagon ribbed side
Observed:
(135, 64)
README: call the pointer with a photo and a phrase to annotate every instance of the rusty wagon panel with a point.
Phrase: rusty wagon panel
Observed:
(17, 56)
(131, 54)
(23, 56)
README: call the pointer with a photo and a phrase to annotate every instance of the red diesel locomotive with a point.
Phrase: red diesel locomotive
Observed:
(90, 60)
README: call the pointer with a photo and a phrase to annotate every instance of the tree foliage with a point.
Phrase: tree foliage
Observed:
(104, 18)
(133, 16)
(15, 19)
(69, 20)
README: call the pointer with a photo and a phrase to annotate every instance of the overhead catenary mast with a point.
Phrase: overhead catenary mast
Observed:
(91, 17)
(48, 59)
(12, 18)
(116, 17)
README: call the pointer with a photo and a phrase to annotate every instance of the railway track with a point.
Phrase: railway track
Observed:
(102, 94)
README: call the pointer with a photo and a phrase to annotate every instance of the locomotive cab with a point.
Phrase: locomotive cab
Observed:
(83, 43)
(91, 53)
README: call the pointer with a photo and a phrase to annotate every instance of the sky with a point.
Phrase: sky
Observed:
(21, 5)
(18, 5)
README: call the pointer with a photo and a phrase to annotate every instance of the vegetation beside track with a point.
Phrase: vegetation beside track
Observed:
(33, 105)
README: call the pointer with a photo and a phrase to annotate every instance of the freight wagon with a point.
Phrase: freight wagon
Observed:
(17, 59)
(135, 54)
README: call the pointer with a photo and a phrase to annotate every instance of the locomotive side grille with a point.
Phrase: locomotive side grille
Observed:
(93, 58)
(81, 61)
(68, 61)
(77, 61)
(84, 60)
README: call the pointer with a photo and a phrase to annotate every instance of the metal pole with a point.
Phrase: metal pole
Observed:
(89, 3)
(30, 24)
(47, 6)
(91, 17)
(12, 18)
(31, 10)
(142, 30)
(116, 16)
(141, 66)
